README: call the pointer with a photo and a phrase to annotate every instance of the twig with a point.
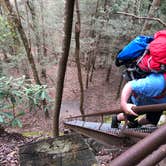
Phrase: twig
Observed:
(146, 18)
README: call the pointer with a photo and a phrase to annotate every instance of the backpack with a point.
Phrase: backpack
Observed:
(130, 53)
(155, 60)
(133, 50)
(143, 55)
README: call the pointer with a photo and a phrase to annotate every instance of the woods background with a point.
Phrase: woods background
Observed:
(31, 42)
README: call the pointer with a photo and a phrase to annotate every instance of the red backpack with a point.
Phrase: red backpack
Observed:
(155, 59)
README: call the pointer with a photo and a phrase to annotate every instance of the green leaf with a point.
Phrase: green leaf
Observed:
(8, 115)
(2, 94)
(18, 93)
(21, 113)
(16, 122)
(1, 119)
(43, 95)
(6, 107)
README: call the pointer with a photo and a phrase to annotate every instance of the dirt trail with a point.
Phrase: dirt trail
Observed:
(100, 96)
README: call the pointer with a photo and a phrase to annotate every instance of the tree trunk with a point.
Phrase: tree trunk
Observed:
(17, 22)
(105, 5)
(93, 61)
(0, 10)
(121, 84)
(16, 41)
(92, 32)
(1, 69)
(35, 29)
(108, 73)
(43, 69)
(43, 29)
(24, 65)
(69, 8)
(88, 65)
(92, 57)
(28, 23)
(77, 56)
(6, 59)
(154, 7)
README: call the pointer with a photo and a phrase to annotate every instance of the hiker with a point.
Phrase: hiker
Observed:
(145, 61)
(138, 92)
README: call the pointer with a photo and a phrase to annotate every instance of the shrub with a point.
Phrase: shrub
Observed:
(16, 96)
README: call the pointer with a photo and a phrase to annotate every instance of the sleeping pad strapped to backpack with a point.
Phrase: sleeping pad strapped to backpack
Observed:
(143, 55)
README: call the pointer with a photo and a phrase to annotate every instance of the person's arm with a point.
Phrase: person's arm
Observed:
(125, 95)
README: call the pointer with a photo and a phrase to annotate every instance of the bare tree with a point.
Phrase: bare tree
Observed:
(105, 5)
(144, 18)
(43, 28)
(12, 27)
(77, 56)
(28, 21)
(108, 72)
(69, 8)
(17, 22)
(35, 29)
(154, 7)
(92, 57)
(24, 63)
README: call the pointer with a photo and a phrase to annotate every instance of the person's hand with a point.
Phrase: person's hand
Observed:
(127, 108)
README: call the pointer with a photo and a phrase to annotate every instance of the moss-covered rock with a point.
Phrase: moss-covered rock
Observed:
(67, 150)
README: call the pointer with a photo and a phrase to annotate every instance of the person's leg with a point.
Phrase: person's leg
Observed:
(143, 120)
(115, 122)
(153, 117)
(132, 122)
(116, 119)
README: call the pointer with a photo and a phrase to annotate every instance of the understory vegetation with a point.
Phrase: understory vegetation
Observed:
(31, 42)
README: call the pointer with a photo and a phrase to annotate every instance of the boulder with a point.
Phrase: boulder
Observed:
(67, 150)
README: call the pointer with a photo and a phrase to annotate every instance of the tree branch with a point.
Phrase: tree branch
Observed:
(147, 18)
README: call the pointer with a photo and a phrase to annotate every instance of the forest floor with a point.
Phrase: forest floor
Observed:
(100, 96)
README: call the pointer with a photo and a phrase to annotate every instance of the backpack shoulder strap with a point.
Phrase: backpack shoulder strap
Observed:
(145, 52)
